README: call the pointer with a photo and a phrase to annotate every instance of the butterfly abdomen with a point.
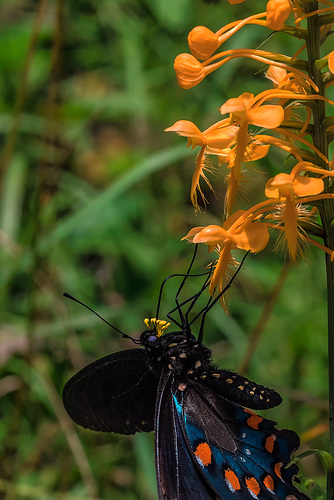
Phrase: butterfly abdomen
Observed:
(242, 391)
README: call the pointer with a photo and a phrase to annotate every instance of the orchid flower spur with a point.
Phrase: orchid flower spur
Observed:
(203, 42)
(190, 71)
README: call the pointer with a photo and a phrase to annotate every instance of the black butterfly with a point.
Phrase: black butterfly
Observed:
(207, 445)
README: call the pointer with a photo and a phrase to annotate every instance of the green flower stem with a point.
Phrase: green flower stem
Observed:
(327, 208)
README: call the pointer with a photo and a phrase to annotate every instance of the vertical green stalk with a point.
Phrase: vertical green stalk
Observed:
(326, 210)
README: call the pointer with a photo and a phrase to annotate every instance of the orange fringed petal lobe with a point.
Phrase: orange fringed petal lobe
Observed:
(232, 2)
(308, 186)
(267, 116)
(202, 42)
(189, 71)
(331, 62)
(277, 13)
(253, 236)
(291, 233)
(188, 129)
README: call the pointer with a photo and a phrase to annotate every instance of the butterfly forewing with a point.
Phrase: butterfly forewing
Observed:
(114, 394)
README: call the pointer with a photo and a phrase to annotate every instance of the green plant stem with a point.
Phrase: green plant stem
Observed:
(326, 210)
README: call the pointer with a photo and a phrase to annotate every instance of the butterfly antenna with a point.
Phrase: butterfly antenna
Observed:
(124, 335)
(212, 302)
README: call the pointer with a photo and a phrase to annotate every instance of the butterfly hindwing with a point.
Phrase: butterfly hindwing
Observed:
(177, 476)
(239, 454)
(114, 394)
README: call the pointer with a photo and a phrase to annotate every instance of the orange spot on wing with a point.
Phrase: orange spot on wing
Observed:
(269, 444)
(269, 483)
(253, 485)
(254, 420)
(278, 469)
(231, 477)
(203, 454)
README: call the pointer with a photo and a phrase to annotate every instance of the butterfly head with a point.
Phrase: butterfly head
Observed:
(179, 350)
(155, 329)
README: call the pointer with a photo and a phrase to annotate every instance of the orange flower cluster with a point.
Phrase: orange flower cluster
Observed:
(240, 137)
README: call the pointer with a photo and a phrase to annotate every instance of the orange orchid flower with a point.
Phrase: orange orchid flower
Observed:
(293, 189)
(245, 110)
(237, 231)
(249, 109)
(288, 81)
(217, 137)
(282, 79)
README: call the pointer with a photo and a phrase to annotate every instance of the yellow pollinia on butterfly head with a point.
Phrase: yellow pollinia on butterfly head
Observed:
(156, 325)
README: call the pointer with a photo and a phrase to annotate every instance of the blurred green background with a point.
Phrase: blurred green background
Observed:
(94, 201)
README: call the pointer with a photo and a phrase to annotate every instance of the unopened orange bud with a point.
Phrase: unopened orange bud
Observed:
(202, 42)
(277, 13)
(276, 75)
(189, 71)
